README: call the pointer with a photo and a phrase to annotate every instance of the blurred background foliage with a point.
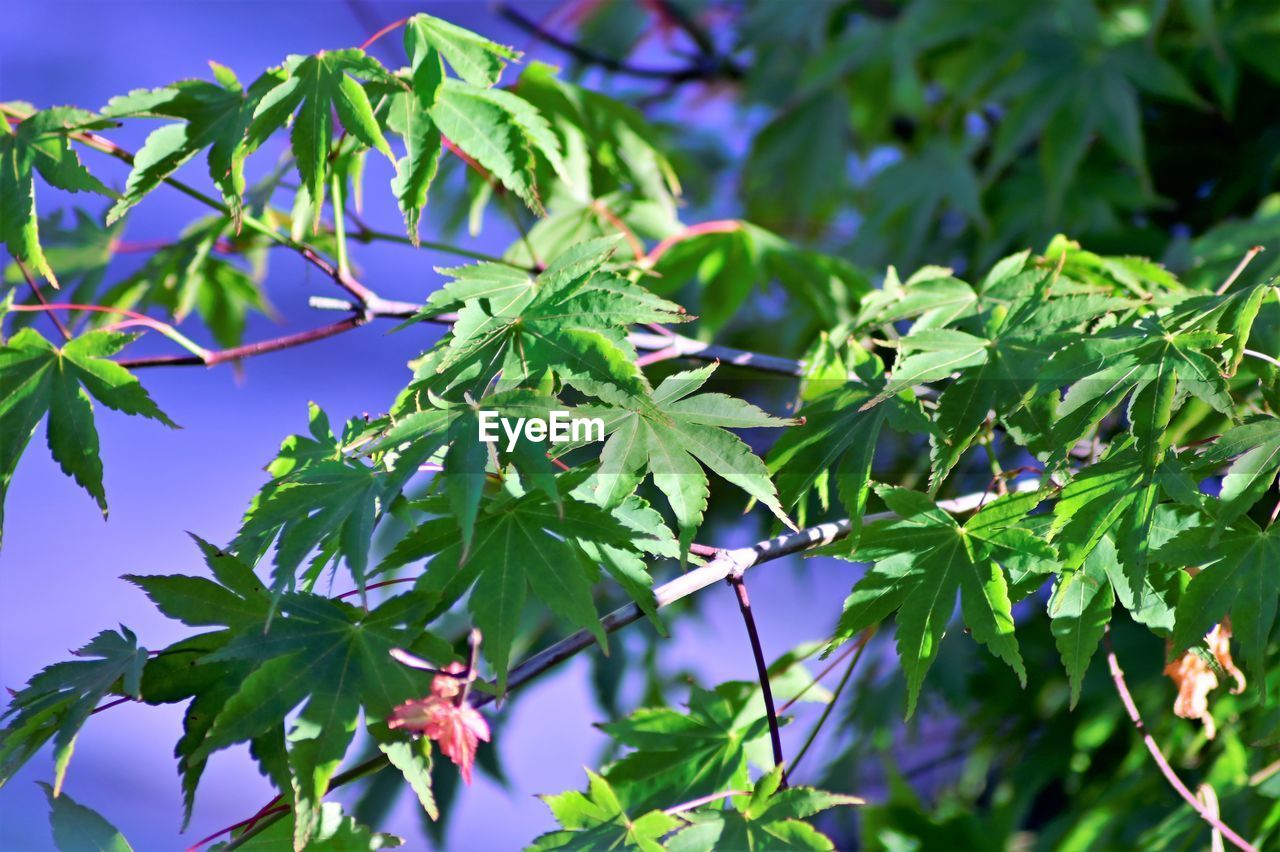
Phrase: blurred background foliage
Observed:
(956, 131)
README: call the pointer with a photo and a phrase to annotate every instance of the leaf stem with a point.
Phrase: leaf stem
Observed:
(1126, 698)
(35, 291)
(762, 668)
(340, 226)
(164, 328)
(368, 235)
(1239, 270)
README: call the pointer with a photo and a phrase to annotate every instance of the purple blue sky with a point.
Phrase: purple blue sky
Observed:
(61, 563)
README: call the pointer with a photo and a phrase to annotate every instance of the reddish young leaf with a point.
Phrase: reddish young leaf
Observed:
(456, 728)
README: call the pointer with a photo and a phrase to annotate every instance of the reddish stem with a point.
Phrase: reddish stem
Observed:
(267, 811)
(637, 247)
(248, 350)
(139, 319)
(658, 355)
(374, 586)
(715, 226)
(116, 703)
(391, 27)
(361, 293)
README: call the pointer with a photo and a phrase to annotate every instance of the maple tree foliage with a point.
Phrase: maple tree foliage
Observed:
(1039, 455)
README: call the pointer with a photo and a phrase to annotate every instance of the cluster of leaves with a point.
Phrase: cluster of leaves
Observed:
(1118, 425)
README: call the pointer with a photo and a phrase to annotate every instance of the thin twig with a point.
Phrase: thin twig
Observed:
(115, 703)
(278, 809)
(248, 350)
(715, 226)
(1126, 698)
(820, 676)
(603, 210)
(697, 71)
(762, 669)
(835, 696)
(1240, 267)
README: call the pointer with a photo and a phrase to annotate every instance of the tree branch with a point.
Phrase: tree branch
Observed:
(712, 69)
(671, 344)
(719, 568)
(762, 668)
(1126, 698)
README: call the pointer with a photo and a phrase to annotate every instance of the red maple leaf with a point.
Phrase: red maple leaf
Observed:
(456, 728)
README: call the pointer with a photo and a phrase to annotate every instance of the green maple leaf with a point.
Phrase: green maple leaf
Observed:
(670, 435)
(771, 817)
(316, 87)
(908, 197)
(422, 422)
(1072, 91)
(728, 265)
(836, 442)
(1238, 577)
(473, 57)
(213, 115)
(234, 599)
(334, 661)
(1080, 609)
(597, 820)
(1022, 324)
(40, 143)
(930, 355)
(325, 502)
(520, 542)
(76, 827)
(497, 129)
(57, 702)
(37, 378)
(1254, 449)
(571, 320)
(1118, 497)
(502, 132)
(923, 559)
(679, 756)
(1150, 362)
(608, 146)
(932, 296)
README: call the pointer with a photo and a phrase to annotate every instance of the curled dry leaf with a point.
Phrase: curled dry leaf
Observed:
(1195, 678)
(456, 728)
